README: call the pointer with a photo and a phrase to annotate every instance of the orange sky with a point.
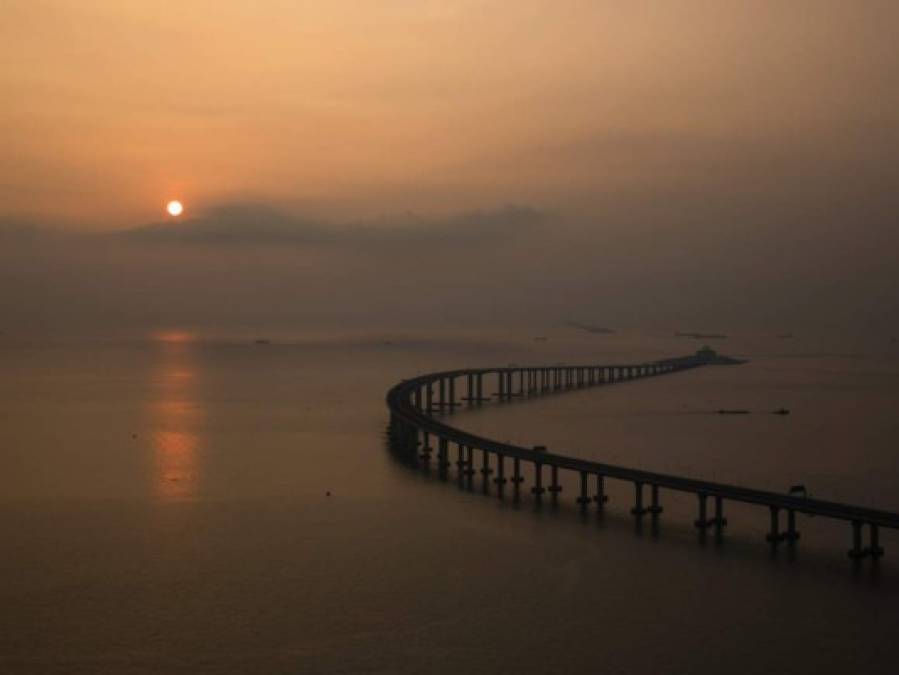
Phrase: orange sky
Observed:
(112, 108)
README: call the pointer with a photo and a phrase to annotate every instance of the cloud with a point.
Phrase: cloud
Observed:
(264, 224)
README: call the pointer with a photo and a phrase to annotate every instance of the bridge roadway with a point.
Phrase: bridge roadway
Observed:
(412, 406)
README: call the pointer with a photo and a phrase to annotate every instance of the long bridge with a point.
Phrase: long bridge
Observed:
(414, 427)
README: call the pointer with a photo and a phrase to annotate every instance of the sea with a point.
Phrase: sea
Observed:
(193, 502)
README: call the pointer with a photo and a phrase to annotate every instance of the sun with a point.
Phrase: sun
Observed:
(174, 208)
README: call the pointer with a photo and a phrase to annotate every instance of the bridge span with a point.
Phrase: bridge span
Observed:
(414, 427)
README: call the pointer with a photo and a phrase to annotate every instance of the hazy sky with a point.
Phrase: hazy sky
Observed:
(735, 147)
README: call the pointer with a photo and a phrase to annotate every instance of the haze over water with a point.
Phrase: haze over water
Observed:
(164, 509)
(227, 228)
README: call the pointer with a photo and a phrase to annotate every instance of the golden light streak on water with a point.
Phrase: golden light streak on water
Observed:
(176, 418)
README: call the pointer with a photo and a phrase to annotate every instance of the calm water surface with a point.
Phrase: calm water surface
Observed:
(163, 509)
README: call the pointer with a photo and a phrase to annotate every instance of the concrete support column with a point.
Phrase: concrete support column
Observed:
(875, 550)
(429, 397)
(538, 488)
(416, 398)
(600, 497)
(470, 383)
(452, 394)
(486, 471)
(702, 521)
(426, 448)
(480, 387)
(584, 499)
(442, 458)
(469, 464)
(720, 520)
(554, 487)
(791, 535)
(856, 552)
(517, 479)
(501, 385)
(655, 508)
(638, 509)
(774, 536)
(441, 394)
(460, 462)
(500, 479)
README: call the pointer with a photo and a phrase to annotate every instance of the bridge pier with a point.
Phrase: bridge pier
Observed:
(460, 462)
(469, 464)
(584, 499)
(538, 488)
(774, 536)
(486, 471)
(857, 552)
(792, 534)
(426, 448)
(480, 387)
(638, 509)
(517, 479)
(441, 394)
(719, 520)
(429, 397)
(442, 459)
(416, 398)
(409, 437)
(600, 497)
(500, 479)
(874, 549)
(702, 521)
(554, 487)
(655, 508)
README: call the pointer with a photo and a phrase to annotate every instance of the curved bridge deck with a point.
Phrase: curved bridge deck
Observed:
(413, 402)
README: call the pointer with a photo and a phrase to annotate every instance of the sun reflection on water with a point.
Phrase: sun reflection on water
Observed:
(176, 418)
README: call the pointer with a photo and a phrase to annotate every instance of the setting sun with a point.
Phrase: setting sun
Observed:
(174, 208)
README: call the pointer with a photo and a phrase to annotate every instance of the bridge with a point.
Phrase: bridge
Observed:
(418, 409)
